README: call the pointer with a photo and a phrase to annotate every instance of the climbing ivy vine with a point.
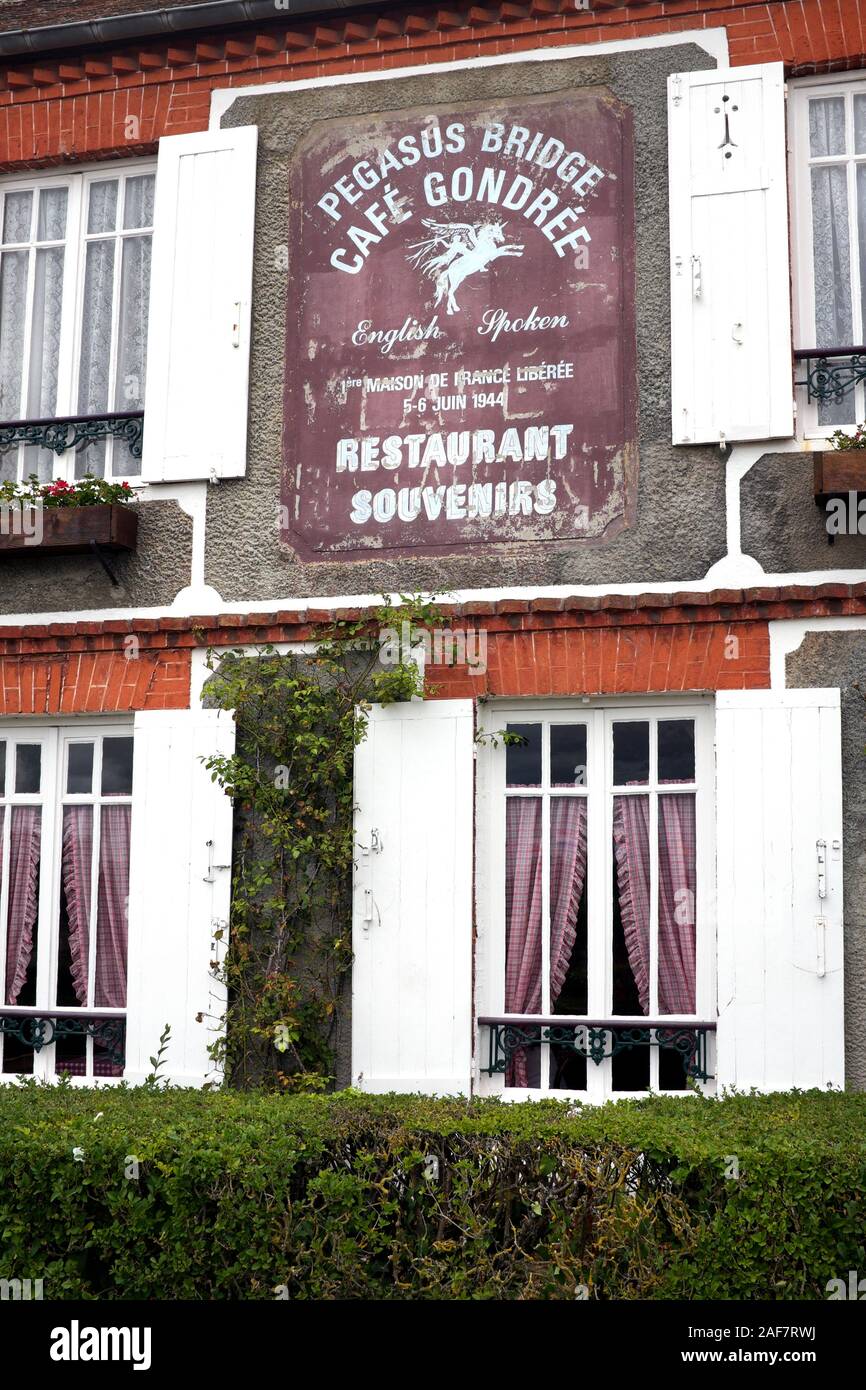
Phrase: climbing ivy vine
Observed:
(299, 718)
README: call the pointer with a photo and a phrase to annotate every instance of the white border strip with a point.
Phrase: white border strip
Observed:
(713, 41)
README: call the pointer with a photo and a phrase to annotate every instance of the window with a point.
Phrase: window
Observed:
(828, 180)
(74, 291)
(65, 815)
(598, 861)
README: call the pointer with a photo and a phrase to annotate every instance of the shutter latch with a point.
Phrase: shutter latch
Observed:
(209, 876)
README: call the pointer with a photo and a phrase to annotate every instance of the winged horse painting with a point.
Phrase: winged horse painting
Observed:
(455, 250)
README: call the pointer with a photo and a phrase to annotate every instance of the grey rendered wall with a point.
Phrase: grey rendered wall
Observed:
(680, 526)
(149, 577)
(839, 659)
(782, 528)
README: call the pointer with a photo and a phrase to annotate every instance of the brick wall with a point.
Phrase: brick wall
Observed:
(613, 661)
(93, 682)
(583, 645)
(108, 103)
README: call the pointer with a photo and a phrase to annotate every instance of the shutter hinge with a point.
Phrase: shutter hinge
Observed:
(821, 846)
(676, 89)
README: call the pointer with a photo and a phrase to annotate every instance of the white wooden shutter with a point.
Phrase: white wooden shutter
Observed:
(179, 891)
(779, 941)
(412, 918)
(198, 352)
(731, 363)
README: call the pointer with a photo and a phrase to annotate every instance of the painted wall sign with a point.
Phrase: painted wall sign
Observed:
(460, 338)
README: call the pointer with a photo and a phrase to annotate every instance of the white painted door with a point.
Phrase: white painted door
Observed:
(779, 837)
(412, 913)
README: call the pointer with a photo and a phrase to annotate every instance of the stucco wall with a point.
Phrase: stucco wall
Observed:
(839, 659)
(680, 526)
(782, 528)
(150, 576)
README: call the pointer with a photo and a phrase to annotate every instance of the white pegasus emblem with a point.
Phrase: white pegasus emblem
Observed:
(466, 249)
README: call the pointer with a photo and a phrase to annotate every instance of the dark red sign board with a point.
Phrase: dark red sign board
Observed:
(460, 340)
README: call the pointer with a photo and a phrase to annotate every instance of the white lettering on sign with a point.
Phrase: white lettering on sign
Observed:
(556, 213)
(535, 443)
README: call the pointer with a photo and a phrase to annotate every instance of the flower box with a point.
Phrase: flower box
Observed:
(839, 471)
(67, 530)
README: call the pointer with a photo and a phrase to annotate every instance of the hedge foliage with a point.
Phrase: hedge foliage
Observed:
(123, 1194)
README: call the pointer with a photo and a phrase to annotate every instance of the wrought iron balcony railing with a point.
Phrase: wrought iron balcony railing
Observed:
(596, 1039)
(38, 1028)
(62, 432)
(831, 373)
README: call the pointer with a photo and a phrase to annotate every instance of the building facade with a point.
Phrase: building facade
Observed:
(546, 308)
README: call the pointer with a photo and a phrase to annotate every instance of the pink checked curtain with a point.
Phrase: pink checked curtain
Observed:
(24, 849)
(677, 884)
(112, 928)
(112, 931)
(77, 869)
(523, 904)
(111, 924)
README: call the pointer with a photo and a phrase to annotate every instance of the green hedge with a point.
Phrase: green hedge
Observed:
(338, 1197)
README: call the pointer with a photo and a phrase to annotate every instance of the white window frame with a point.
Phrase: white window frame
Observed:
(77, 181)
(55, 739)
(599, 715)
(800, 92)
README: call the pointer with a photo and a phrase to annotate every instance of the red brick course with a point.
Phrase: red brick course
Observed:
(109, 103)
(614, 661)
(90, 682)
(610, 643)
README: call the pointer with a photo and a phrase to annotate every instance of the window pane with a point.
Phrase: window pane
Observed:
(28, 767)
(111, 919)
(568, 755)
(523, 760)
(102, 206)
(96, 328)
(568, 917)
(21, 917)
(631, 926)
(826, 126)
(51, 219)
(860, 124)
(76, 877)
(138, 205)
(676, 750)
(831, 256)
(117, 767)
(13, 303)
(2, 776)
(79, 772)
(45, 333)
(832, 276)
(630, 753)
(677, 885)
(17, 217)
(90, 461)
(132, 334)
(523, 909)
(861, 223)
